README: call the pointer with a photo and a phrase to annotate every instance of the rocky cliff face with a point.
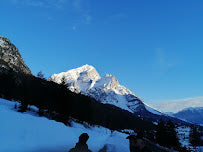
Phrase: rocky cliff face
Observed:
(11, 58)
(105, 89)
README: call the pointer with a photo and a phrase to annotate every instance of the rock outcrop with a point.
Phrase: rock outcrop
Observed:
(10, 58)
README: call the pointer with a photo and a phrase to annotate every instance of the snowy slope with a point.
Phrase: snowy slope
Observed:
(26, 132)
(105, 89)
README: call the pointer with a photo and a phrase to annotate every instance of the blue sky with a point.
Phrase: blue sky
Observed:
(154, 48)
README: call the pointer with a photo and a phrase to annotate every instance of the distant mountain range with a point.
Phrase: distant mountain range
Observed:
(176, 105)
(194, 115)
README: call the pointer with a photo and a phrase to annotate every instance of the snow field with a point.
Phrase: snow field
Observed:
(27, 132)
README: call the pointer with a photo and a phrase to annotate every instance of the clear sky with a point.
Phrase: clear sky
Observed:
(153, 47)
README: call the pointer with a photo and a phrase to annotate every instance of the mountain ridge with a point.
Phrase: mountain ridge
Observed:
(191, 114)
(106, 89)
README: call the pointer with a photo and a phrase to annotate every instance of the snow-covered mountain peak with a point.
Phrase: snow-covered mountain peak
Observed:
(84, 68)
(106, 89)
(79, 79)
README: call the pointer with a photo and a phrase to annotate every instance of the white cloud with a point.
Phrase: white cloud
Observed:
(41, 3)
(179, 104)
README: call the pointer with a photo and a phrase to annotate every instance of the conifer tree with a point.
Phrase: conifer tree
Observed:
(172, 139)
(40, 75)
(194, 136)
(161, 133)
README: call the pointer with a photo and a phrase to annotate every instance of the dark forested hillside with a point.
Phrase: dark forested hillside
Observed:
(60, 103)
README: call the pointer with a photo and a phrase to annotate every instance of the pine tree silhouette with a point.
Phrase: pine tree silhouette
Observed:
(161, 133)
(40, 75)
(171, 134)
(194, 136)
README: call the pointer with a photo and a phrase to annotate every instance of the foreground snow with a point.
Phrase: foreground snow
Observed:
(26, 132)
